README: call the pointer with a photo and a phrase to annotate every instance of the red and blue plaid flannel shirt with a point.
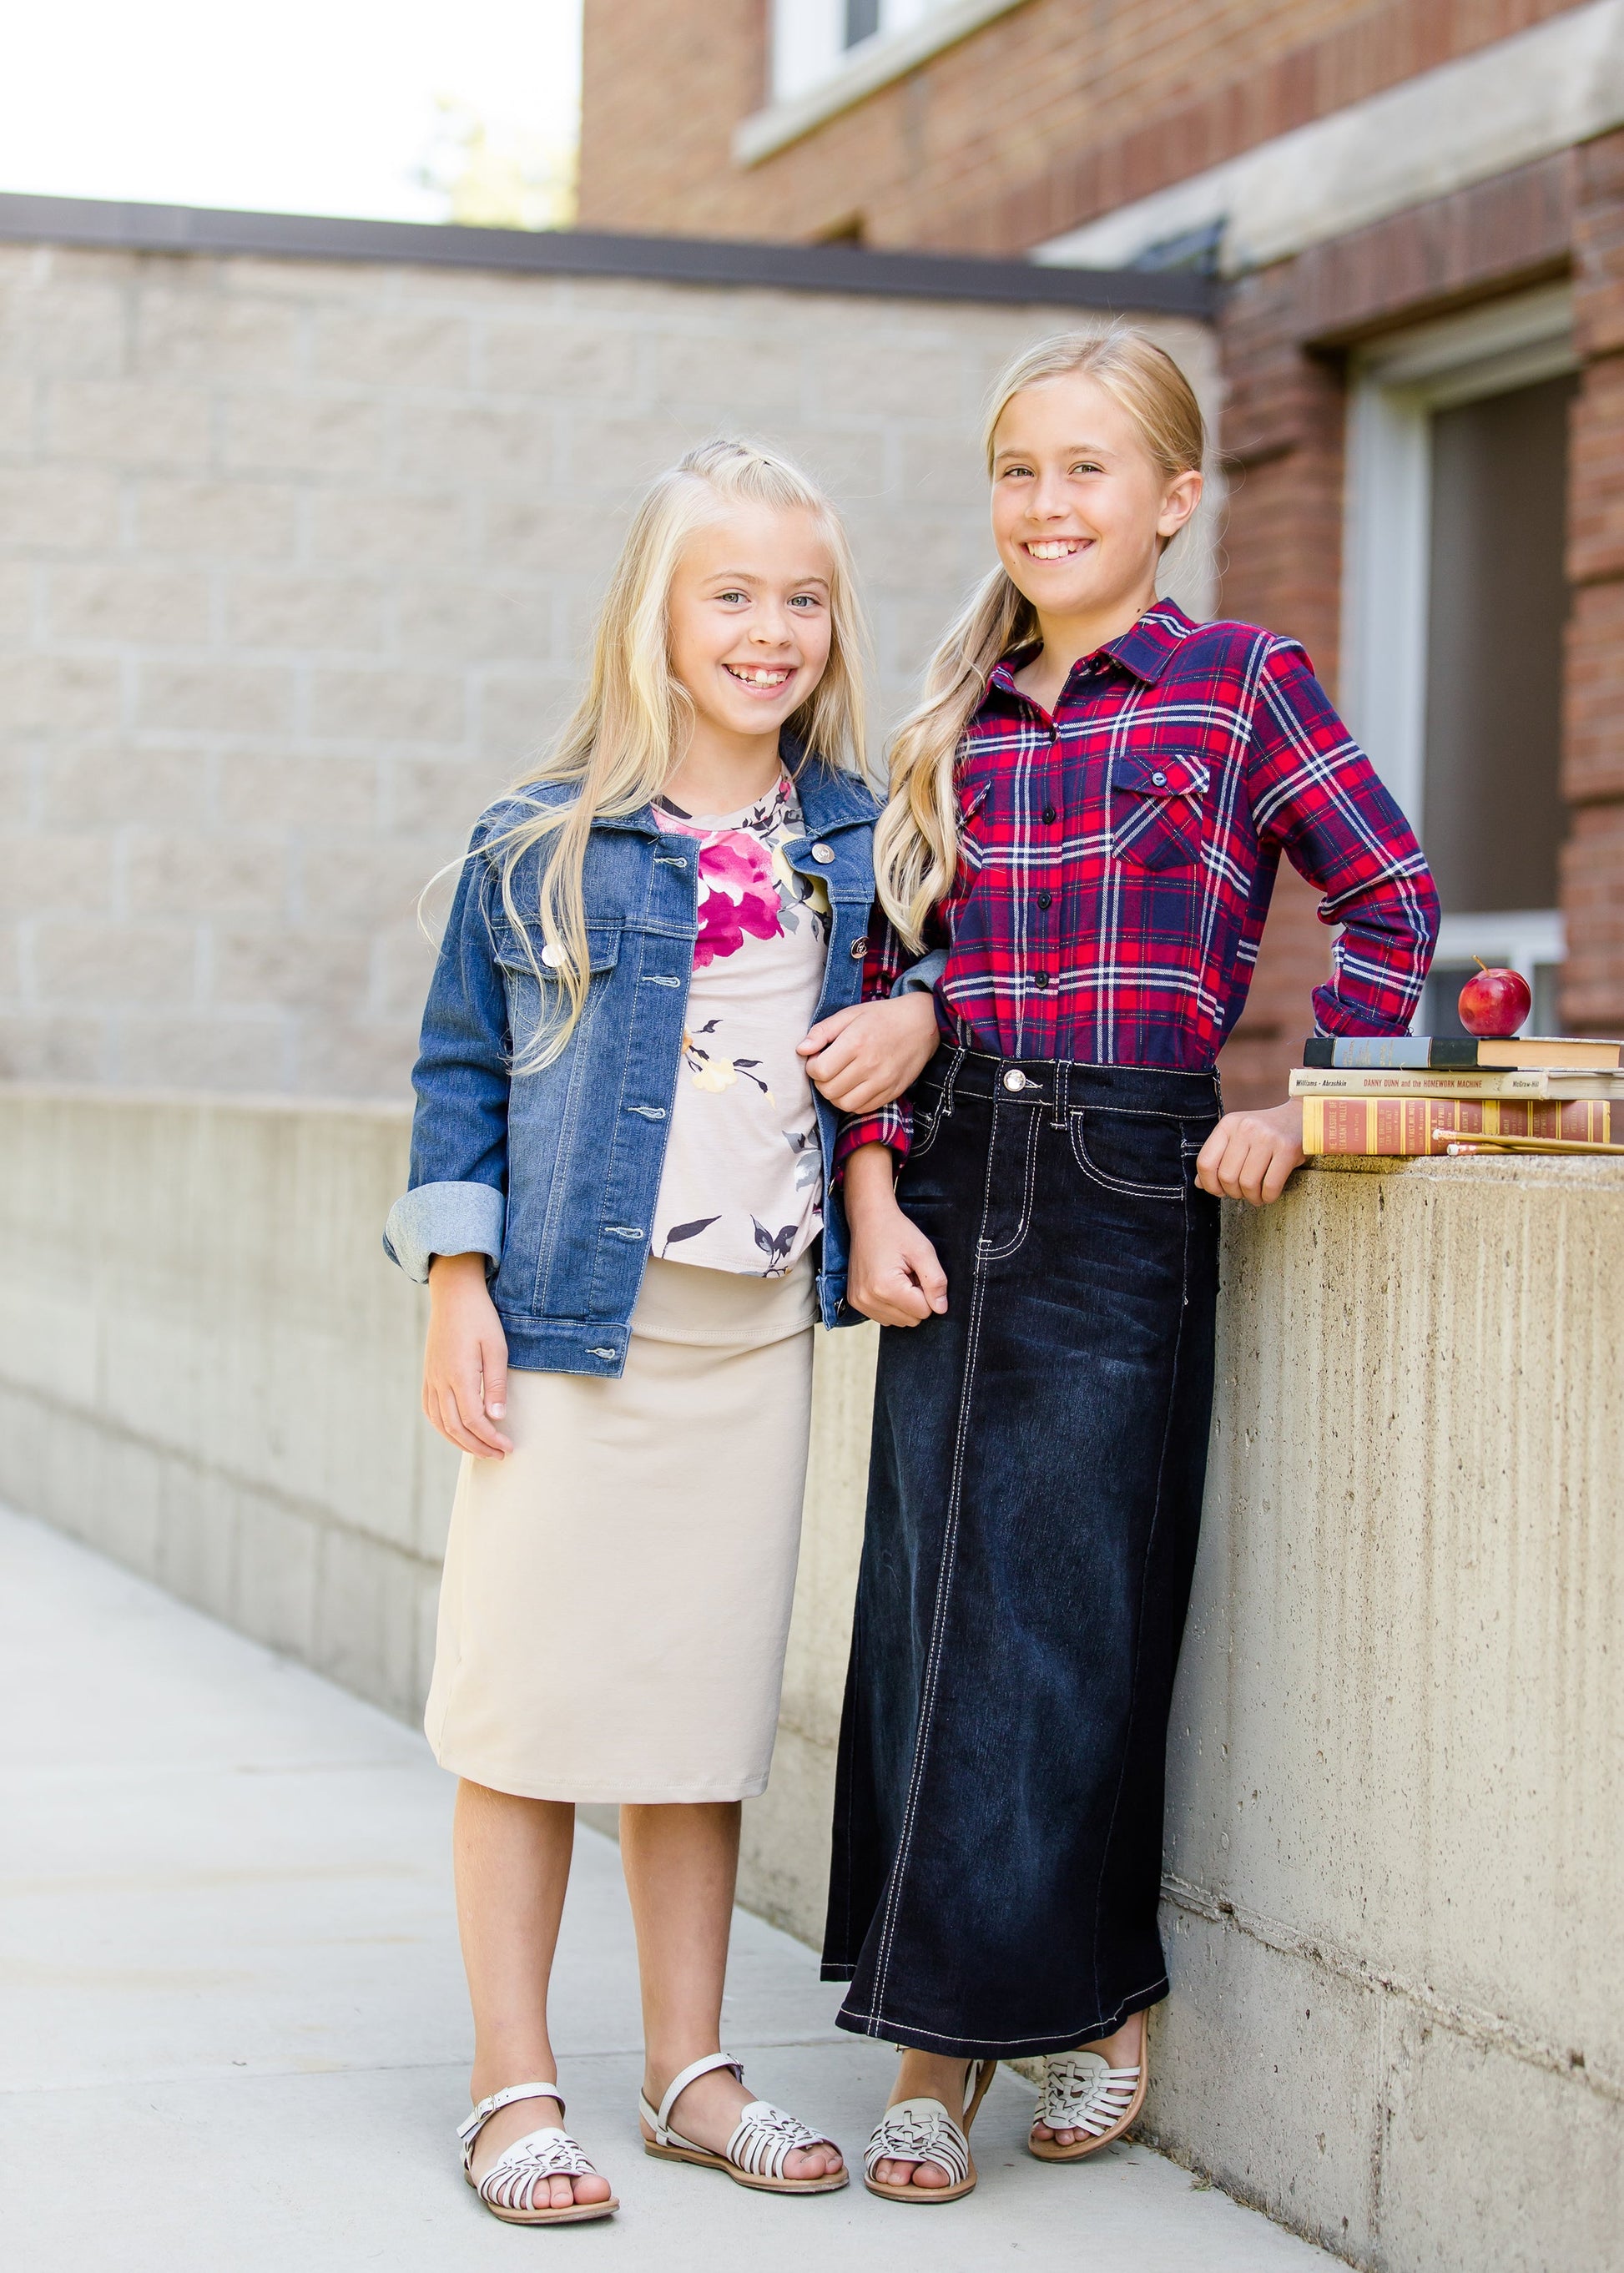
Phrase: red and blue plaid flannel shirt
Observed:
(1116, 860)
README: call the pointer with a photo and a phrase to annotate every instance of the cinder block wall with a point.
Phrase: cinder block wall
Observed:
(1394, 1854)
(298, 562)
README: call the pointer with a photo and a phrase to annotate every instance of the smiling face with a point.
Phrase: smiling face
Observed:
(750, 626)
(1080, 509)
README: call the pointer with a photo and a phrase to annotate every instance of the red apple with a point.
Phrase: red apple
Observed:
(1494, 1004)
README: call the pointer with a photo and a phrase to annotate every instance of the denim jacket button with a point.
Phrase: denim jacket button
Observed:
(860, 947)
(553, 955)
(823, 854)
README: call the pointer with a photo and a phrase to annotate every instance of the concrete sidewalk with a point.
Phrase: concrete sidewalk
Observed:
(235, 2033)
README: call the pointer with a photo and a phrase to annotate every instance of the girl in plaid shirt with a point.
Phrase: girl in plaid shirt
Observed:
(1086, 814)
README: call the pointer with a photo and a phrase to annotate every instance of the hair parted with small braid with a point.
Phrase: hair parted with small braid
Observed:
(631, 727)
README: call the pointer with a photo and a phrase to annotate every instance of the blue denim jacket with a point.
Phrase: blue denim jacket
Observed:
(554, 1175)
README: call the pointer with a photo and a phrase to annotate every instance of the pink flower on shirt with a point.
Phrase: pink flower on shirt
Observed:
(737, 895)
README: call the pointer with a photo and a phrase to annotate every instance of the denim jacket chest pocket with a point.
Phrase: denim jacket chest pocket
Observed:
(532, 971)
(1156, 810)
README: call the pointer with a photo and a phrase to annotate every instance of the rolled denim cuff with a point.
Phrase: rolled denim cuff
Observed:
(443, 1219)
(921, 978)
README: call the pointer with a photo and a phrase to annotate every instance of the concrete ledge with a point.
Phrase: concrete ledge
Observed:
(1395, 1851)
(1395, 1858)
(207, 1366)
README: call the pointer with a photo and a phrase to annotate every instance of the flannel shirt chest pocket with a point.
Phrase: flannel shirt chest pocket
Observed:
(973, 820)
(1156, 810)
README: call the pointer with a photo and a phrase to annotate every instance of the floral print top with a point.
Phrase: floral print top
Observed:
(743, 1184)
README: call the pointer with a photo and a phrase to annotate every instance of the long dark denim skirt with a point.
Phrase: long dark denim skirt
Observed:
(1033, 1502)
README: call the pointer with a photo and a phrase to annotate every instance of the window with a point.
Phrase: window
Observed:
(812, 39)
(1455, 600)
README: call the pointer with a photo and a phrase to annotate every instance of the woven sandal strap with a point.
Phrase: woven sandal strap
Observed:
(1082, 2093)
(919, 2131)
(510, 2182)
(477, 2118)
(661, 2117)
(767, 2137)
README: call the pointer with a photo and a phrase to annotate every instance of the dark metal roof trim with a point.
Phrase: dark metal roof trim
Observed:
(585, 252)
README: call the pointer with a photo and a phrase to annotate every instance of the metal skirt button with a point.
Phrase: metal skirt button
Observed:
(1016, 1079)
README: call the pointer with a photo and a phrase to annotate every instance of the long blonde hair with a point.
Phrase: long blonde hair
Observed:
(631, 727)
(916, 839)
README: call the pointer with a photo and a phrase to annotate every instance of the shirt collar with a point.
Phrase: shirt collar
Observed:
(1146, 649)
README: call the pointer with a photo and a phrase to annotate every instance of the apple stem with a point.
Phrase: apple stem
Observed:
(1481, 964)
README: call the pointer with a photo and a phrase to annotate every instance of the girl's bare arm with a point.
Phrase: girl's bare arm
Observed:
(894, 1277)
(465, 1361)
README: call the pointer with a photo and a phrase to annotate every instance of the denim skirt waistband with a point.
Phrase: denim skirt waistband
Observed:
(1068, 1084)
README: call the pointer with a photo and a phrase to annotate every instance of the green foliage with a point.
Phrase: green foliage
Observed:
(498, 174)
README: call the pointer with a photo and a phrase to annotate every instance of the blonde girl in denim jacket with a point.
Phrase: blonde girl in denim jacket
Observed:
(619, 1199)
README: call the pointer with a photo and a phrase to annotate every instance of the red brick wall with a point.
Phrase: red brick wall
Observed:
(1593, 767)
(1282, 437)
(1047, 116)
(662, 88)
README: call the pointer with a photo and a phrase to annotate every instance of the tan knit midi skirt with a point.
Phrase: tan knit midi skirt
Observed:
(617, 1591)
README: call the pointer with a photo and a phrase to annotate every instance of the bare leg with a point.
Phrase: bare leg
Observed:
(1124, 2048)
(680, 1866)
(511, 1861)
(925, 2076)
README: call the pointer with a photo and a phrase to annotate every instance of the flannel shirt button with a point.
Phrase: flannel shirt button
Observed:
(1039, 978)
(1046, 899)
(1048, 812)
(860, 947)
(822, 854)
(1160, 780)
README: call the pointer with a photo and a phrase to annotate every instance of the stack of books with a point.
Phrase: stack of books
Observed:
(1411, 1094)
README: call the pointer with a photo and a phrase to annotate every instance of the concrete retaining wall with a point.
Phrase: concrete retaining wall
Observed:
(1395, 1835)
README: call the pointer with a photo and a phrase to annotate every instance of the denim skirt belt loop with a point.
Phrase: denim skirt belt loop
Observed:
(1033, 1502)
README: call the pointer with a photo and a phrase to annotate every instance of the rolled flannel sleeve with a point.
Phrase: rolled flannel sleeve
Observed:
(456, 1200)
(1318, 797)
(883, 966)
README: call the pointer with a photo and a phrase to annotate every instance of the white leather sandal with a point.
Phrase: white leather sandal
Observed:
(756, 2153)
(923, 2131)
(1082, 2091)
(508, 2187)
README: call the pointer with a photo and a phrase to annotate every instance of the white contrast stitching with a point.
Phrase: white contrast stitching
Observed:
(1058, 2039)
(1079, 1153)
(888, 1924)
(998, 1254)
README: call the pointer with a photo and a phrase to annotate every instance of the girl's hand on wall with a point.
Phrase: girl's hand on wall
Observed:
(894, 1277)
(1249, 1156)
(465, 1364)
(866, 1056)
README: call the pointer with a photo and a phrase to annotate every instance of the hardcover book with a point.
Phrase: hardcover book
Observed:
(1411, 1126)
(1529, 1081)
(1460, 1053)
